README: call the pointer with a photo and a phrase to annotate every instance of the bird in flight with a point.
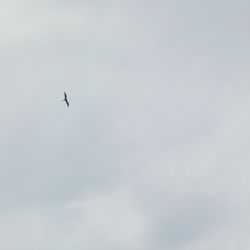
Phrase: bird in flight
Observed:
(65, 99)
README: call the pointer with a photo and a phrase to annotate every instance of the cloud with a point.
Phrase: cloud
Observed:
(153, 151)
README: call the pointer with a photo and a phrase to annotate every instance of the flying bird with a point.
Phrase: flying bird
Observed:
(65, 99)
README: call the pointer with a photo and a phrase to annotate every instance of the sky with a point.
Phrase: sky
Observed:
(153, 152)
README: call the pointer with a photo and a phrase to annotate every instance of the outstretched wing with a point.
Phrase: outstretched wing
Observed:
(65, 96)
(67, 102)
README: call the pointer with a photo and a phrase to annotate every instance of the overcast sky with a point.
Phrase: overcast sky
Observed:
(153, 153)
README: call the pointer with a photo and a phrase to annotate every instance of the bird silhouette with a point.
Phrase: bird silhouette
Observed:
(66, 99)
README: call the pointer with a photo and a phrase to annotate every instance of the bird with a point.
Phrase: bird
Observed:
(65, 99)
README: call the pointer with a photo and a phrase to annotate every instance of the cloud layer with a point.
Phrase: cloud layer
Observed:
(153, 151)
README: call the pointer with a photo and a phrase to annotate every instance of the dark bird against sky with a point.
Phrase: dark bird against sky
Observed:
(66, 99)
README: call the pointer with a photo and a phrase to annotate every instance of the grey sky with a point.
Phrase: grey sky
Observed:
(153, 153)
